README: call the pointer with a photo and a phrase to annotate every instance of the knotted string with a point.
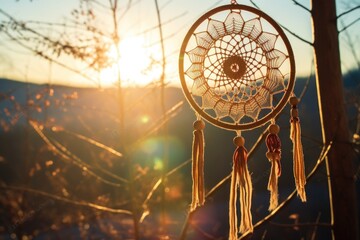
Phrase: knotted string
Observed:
(198, 190)
(298, 155)
(273, 154)
(240, 178)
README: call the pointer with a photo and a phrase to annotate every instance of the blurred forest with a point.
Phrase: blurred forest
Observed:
(115, 163)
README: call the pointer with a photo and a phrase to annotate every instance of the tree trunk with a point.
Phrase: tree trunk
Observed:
(334, 122)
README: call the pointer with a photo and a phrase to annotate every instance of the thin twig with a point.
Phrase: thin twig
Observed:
(307, 81)
(100, 4)
(309, 224)
(128, 7)
(94, 142)
(66, 25)
(204, 234)
(165, 5)
(144, 97)
(313, 235)
(163, 24)
(157, 184)
(160, 123)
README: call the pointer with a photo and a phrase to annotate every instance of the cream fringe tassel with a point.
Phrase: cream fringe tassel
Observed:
(298, 156)
(198, 190)
(241, 178)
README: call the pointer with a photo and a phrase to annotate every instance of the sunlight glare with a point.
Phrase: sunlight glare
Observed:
(139, 65)
(145, 119)
(158, 164)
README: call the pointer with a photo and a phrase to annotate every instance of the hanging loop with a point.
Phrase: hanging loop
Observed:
(233, 2)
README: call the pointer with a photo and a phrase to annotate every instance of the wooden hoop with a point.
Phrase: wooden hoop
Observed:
(287, 89)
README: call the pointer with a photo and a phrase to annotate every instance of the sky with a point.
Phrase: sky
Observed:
(139, 38)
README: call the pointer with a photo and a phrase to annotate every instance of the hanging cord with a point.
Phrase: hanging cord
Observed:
(298, 155)
(198, 189)
(233, 2)
(273, 154)
(240, 178)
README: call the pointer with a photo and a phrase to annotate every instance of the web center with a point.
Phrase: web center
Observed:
(234, 67)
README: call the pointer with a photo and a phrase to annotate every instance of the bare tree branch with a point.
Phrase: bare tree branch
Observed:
(349, 25)
(302, 6)
(348, 11)
(54, 147)
(255, 5)
(350, 43)
(288, 30)
(95, 143)
(67, 200)
(297, 36)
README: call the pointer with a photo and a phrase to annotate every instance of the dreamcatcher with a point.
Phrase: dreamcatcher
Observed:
(237, 72)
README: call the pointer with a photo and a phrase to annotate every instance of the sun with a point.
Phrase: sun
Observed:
(137, 64)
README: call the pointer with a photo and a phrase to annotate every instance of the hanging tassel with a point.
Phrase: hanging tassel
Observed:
(298, 156)
(240, 178)
(198, 190)
(274, 155)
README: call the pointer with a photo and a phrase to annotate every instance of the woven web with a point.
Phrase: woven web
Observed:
(237, 68)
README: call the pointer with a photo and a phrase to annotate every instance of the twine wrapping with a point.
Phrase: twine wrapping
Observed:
(198, 190)
(298, 155)
(273, 154)
(240, 178)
